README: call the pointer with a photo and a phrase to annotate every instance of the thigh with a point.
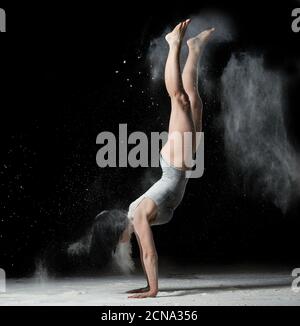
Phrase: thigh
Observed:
(179, 148)
(181, 118)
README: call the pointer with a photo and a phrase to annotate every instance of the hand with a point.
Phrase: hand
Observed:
(148, 294)
(141, 290)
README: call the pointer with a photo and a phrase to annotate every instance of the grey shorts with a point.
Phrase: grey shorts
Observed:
(166, 193)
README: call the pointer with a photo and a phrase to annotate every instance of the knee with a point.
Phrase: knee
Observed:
(182, 99)
(195, 101)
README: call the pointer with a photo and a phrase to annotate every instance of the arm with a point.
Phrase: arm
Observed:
(148, 256)
(146, 288)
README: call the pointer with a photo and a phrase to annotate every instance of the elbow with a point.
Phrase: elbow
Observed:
(150, 256)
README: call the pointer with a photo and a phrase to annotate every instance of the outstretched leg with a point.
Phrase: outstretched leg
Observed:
(173, 77)
(177, 150)
(190, 75)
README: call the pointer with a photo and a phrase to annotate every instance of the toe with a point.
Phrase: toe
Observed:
(178, 26)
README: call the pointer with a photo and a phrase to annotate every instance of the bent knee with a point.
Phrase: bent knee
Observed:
(182, 99)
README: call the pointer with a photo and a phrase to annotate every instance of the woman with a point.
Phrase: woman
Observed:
(157, 205)
(111, 230)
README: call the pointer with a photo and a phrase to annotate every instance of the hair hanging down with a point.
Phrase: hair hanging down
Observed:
(96, 248)
(105, 235)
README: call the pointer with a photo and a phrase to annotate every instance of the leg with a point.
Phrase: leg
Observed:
(190, 75)
(173, 77)
(143, 214)
(176, 149)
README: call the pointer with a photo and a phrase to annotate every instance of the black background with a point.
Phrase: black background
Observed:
(59, 90)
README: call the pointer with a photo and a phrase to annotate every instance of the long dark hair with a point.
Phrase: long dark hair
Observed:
(105, 235)
(92, 251)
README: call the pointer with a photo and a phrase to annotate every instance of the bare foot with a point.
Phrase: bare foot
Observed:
(148, 294)
(176, 36)
(197, 43)
(141, 290)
